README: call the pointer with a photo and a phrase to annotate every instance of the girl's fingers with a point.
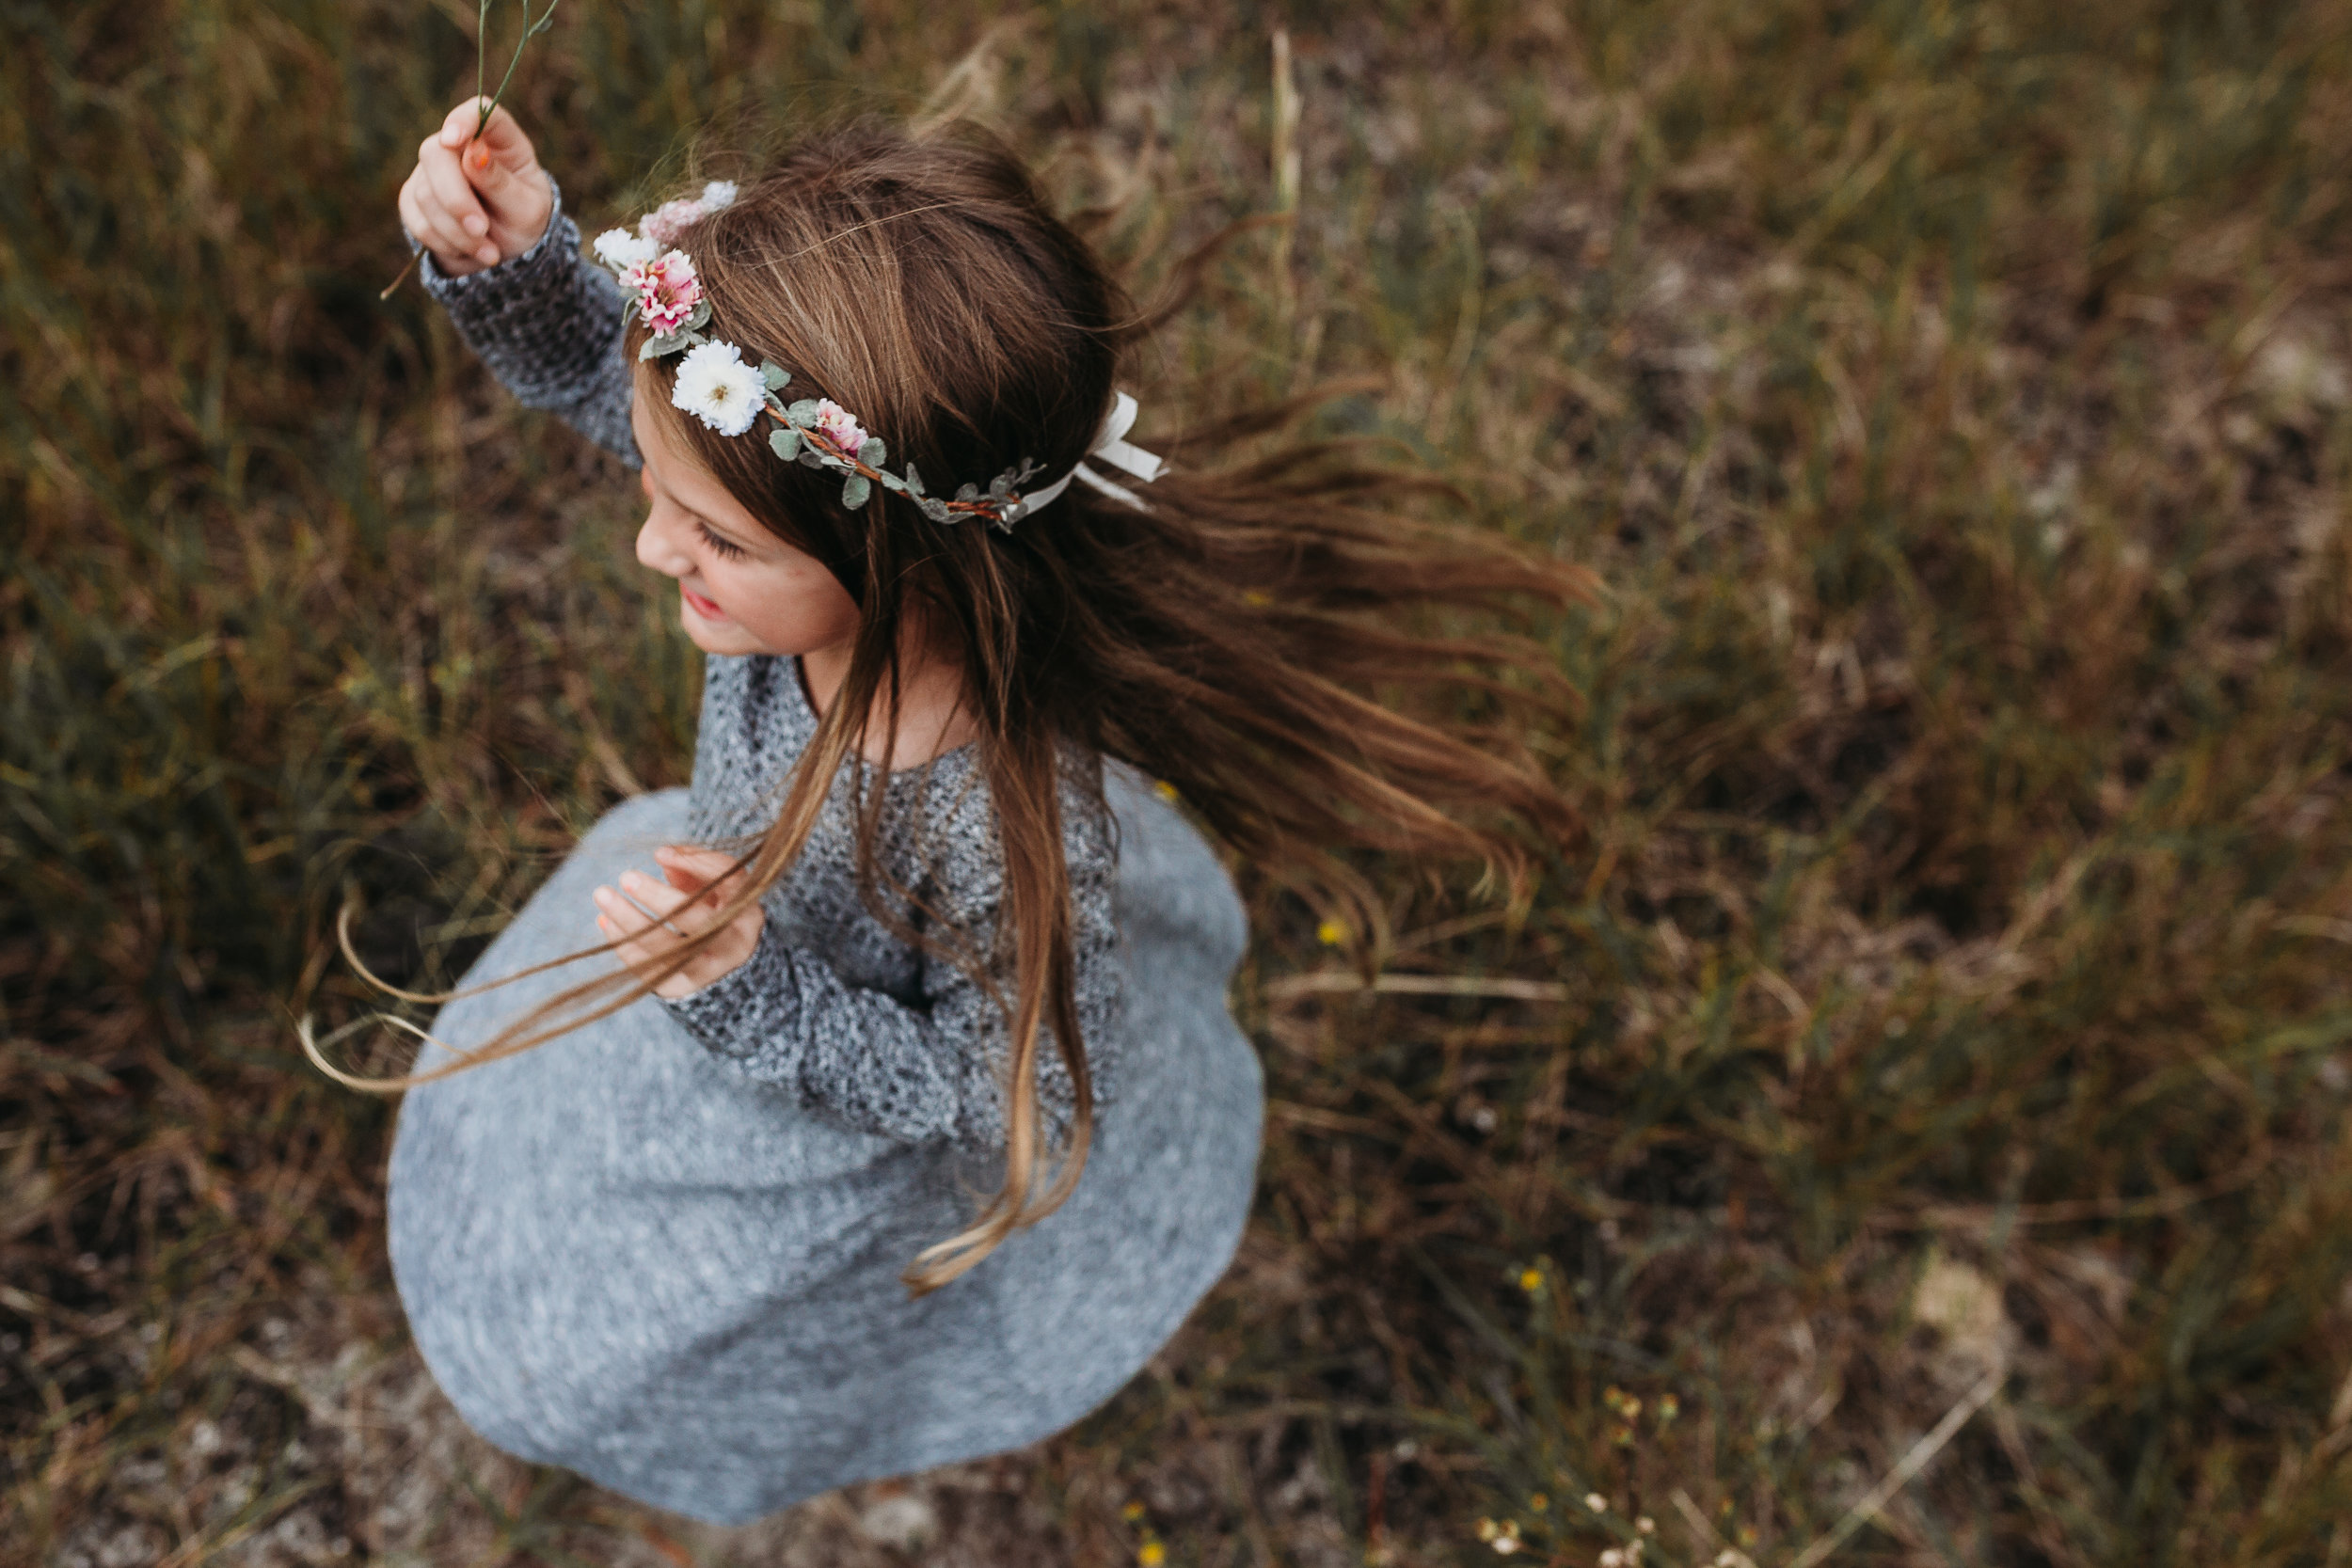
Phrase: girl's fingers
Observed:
(509, 148)
(439, 165)
(683, 876)
(647, 922)
(643, 940)
(458, 124)
(492, 181)
(451, 191)
(433, 227)
(639, 954)
(698, 871)
(412, 216)
(501, 149)
(630, 952)
(480, 199)
(625, 918)
(683, 910)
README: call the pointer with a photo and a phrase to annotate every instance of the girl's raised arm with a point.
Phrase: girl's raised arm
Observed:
(502, 258)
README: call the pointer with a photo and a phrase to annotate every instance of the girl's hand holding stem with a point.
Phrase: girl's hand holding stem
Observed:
(651, 920)
(474, 201)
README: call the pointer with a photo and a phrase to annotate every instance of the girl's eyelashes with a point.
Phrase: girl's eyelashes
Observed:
(726, 547)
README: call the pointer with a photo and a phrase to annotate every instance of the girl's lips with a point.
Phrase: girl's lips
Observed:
(701, 606)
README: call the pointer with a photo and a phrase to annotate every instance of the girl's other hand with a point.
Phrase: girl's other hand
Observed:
(651, 920)
(475, 203)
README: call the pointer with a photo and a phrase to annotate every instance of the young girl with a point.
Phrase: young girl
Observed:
(911, 1120)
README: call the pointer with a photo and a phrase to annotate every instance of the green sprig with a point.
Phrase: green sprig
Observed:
(486, 107)
(531, 29)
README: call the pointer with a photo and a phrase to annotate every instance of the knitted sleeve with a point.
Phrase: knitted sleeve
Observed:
(932, 1072)
(547, 323)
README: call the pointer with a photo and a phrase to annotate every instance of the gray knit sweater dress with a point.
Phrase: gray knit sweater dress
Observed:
(663, 1250)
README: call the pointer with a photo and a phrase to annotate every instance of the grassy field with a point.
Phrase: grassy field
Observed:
(1913, 1132)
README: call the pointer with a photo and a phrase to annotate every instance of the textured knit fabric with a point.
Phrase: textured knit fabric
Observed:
(888, 1039)
(664, 1251)
(547, 324)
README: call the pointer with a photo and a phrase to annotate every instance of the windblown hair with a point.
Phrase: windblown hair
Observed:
(1249, 638)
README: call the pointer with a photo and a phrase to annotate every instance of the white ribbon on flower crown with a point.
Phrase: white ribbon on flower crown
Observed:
(1111, 447)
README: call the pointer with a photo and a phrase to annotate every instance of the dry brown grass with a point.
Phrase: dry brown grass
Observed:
(1951, 1020)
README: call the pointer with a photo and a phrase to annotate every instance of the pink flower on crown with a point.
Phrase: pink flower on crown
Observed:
(667, 289)
(671, 219)
(839, 426)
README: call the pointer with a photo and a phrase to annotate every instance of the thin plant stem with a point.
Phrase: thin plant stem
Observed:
(531, 30)
(486, 106)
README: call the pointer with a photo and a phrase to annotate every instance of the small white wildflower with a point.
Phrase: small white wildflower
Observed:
(620, 249)
(1647, 1525)
(718, 193)
(717, 387)
(1612, 1558)
(1595, 1501)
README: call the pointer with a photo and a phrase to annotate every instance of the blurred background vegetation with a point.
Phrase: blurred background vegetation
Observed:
(1914, 1132)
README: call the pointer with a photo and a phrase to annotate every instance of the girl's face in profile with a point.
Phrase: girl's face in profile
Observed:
(741, 590)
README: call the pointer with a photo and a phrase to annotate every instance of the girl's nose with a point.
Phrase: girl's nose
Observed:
(656, 551)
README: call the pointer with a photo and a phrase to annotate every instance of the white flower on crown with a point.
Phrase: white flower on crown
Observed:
(718, 193)
(620, 249)
(717, 387)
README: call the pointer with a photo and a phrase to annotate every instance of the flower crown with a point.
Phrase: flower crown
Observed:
(718, 387)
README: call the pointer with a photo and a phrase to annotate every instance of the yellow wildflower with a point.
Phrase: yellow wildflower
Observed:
(1530, 1280)
(1538, 1502)
(1330, 933)
(1132, 1513)
(1152, 1555)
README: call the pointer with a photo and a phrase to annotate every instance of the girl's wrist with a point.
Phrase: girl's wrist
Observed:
(733, 1013)
(729, 951)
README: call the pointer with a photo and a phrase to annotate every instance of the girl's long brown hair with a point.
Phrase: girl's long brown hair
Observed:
(1247, 639)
